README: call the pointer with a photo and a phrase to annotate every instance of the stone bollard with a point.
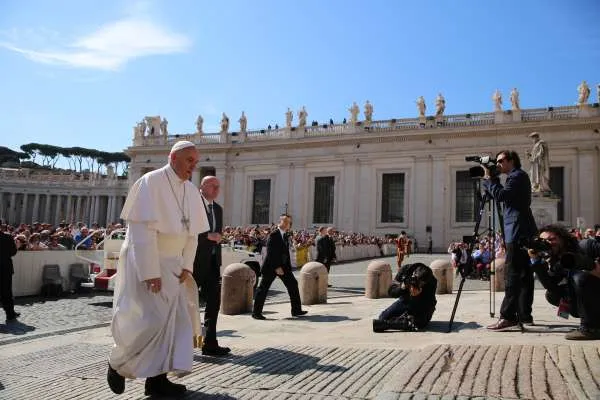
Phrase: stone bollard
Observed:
(444, 273)
(498, 277)
(237, 289)
(313, 283)
(379, 279)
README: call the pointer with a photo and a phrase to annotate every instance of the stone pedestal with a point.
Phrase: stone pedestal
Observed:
(379, 279)
(313, 283)
(444, 273)
(237, 289)
(584, 111)
(544, 209)
(516, 115)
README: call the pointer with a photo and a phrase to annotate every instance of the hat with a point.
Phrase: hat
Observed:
(180, 145)
(534, 134)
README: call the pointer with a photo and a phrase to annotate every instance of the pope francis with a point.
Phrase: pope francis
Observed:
(152, 320)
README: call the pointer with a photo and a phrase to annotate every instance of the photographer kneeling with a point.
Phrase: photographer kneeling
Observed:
(570, 273)
(414, 286)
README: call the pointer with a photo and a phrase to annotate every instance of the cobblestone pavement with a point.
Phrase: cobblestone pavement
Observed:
(77, 371)
(43, 317)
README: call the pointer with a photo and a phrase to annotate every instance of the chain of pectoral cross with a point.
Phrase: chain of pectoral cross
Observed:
(185, 221)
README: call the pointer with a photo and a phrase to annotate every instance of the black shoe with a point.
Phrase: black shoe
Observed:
(299, 313)
(13, 317)
(216, 351)
(161, 386)
(115, 381)
(259, 316)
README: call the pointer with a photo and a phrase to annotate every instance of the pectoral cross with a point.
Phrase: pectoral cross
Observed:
(185, 221)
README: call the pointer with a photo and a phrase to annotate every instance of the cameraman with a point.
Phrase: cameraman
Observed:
(414, 286)
(570, 273)
(519, 227)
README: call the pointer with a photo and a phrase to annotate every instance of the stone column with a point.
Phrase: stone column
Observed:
(97, 208)
(587, 182)
(12, 209)
(23, 216)
(36, 206)
(57, 211)
(77, 214)
(89, 209)
(68, 218)
(46, 216)
(109, 210)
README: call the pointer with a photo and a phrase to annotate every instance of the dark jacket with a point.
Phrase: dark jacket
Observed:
(278, 253)
(516, 196)
(203, 263)
(8, 249)
(421, 307)
(325, 249)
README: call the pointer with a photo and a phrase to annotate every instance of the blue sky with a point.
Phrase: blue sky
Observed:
(82, 73)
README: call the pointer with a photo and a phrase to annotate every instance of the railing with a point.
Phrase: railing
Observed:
(57, 179)
(431, 122)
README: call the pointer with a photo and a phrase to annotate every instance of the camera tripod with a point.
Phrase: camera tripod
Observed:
(465, 269)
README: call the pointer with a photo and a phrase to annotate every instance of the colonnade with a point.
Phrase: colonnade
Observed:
(20, 207)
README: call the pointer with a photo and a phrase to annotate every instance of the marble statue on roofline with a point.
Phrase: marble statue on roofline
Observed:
(368, 112)
(243, 122)
(354, 111)
(224, 123)
(289, 117)
(440, 105)
(164, 127)
(584, 93)
(497, 98)
(514, 100)
(199, 123)
(302, 114)
(421, 106)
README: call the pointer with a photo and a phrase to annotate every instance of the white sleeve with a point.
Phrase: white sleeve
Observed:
(189, 253)
(143, 244)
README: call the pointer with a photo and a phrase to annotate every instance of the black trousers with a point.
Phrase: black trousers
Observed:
(266, 281)
(422, 311)
(518, 287)
(211, 291)
(587, 292)
(6, 295)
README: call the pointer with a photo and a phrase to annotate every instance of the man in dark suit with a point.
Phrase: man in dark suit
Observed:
(519, 228)
(207, 265)
(8, 249)
(277, 264)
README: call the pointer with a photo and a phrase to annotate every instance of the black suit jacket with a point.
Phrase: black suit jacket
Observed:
(516, 196)
(205, 264)
(278, 254)
(8, 249)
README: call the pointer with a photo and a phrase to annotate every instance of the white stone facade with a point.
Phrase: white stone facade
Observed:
(28, 196)
(428, 151)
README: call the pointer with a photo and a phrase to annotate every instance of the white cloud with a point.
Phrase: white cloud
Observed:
(111, 46)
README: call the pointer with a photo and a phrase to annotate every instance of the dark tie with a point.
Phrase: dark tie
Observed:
(210, 217)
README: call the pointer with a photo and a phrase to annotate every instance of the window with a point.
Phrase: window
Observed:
(557, 184)
(323, 201)
(467, 199)
(392, 197)
(261, 201)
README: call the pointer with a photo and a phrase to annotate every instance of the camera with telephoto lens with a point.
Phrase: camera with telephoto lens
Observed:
(557, 266)
(486, 161)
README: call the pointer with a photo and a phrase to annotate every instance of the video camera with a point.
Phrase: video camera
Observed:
(486, 161)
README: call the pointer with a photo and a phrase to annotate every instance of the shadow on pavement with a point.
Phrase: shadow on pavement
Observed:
(442, 326)
(107, 304)
(274, 361)
(357, 290)
(322, 318)
(203, 396)
(16, 328)
(228, 333)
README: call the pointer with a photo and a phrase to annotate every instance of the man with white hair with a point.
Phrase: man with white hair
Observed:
(152, 324)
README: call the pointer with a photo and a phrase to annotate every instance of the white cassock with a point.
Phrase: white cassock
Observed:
(153, 331)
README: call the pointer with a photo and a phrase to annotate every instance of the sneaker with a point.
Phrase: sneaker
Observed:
(583, 334)
(501, 325)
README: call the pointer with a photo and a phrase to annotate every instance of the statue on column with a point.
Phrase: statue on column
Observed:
(539, 157)
(142, 126)
(224, 123)
(302, 114)
(440, 105)
(243, 122)
(354, 110)
(163, 127)
(199, 123)
(598, 93)
(368, 112)
(421, 106)
(497, 97)
(514, 100)
(584, 93)
(138, 131)
(289, 116)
